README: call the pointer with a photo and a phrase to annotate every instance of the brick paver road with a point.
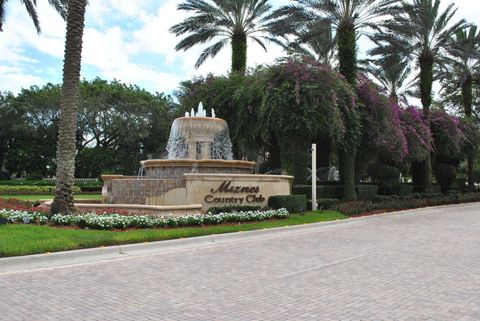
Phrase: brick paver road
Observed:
(422, 265)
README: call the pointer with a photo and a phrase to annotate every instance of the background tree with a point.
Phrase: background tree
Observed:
(225, 21)
(462, 64)
(31, 7)
(392, 73)
(66, 144)
(316, 41)
(118, 126)
(419, 32)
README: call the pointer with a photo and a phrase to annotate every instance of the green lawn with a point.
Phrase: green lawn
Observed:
(43, 197)
(19, 239)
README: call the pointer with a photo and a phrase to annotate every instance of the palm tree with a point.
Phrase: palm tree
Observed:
(30, 5)
(350, 19)
(317, 42)
(225, 21)
(462, 63)
(420, 32)
(393, 74)
(66, 144)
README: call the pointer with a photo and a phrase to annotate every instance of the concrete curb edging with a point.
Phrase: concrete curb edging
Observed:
(117, 252)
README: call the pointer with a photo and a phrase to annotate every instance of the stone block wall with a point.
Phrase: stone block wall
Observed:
(136, 191)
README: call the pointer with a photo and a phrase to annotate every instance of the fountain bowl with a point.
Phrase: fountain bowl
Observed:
(176, 168)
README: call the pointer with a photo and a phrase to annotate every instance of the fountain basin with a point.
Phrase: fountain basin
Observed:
(176, 168)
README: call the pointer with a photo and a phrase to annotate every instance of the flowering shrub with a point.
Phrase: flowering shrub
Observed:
(23, 217)
(417, 133)
(382, 132)
(446, 133)
(305, 101)
(115, 221)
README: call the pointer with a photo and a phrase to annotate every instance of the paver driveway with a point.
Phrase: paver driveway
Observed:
(422, 265)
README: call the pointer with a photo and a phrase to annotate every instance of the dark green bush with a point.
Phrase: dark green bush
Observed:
(91, 189)
(334, 191)
(445, 173)
(230, 209)
(293, 203)
(404, 189)
(4, 175)
(30, 190)
(327, 203)
(387, 177)
(391, 204)
(24, 182)
(366, 192)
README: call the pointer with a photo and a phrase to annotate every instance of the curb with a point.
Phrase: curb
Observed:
(120, 252)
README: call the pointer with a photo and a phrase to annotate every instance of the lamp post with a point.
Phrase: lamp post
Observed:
(314, 177)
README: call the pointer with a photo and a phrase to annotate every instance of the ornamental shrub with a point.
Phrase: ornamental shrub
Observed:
(382, 135)
(303, 101)
(417, 134)
(293, 203)
(447, 135)
(327, 203)
(366, 192)
(386, 176)
(115, 221)
(445, 173)
(30, 190)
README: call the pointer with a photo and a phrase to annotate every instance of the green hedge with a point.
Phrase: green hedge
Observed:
(231, 209)
(31, 190)
(293, 203)
(17, 182)
(364, 192)
(391, 203)
(327, 203)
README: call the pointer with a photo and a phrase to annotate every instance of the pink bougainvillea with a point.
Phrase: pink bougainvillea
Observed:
(382, 132)
(417, 133)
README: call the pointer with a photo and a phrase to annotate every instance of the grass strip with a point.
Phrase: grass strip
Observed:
(16, 240)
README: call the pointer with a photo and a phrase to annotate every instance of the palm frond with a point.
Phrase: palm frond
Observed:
(32, 12)
(211, 51)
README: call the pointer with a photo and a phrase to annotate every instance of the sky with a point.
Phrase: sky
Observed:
(124, 40)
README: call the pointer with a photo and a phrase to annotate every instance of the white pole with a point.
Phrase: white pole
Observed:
(314, 177)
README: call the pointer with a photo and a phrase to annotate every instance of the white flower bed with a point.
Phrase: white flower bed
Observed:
(24, 217)
(117, 221)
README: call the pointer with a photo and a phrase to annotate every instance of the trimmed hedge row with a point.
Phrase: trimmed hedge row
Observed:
(31, 190)
(330, 191)
(17, 182)
(393, 203)
(293, 203)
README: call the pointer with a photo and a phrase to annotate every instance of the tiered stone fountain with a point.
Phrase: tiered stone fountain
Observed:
(199, 172)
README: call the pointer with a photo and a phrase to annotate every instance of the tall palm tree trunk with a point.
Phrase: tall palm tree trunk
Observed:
(66, 145)
(239, 53)
(426, 82)
(467, 98)
(347, 55)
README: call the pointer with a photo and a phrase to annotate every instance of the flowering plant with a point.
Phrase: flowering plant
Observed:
(417, 133)
(116, 221)
(382, 132)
